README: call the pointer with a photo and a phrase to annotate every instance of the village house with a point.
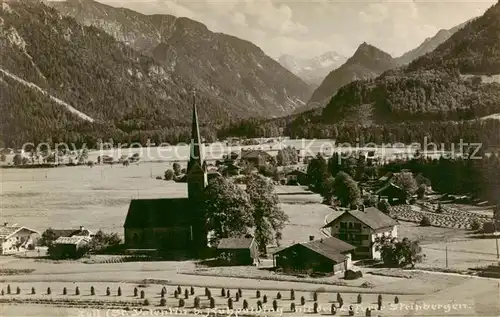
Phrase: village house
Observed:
(256, 157)
(361, 228)
(175, 226)
(326, 255)
(15, 239)
(238, 251)
(394, 194)
(69, 243)
(297, 177)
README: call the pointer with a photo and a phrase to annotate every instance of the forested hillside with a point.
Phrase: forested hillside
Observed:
(433, 86)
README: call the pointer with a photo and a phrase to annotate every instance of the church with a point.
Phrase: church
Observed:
(173, 225)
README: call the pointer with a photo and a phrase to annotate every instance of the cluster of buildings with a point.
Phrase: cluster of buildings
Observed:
(177, 225)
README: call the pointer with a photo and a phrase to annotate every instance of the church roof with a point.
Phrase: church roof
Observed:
(158, 213)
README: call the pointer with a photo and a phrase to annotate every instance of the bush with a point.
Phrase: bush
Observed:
(425, 222)
(383, 206)
(169, 175)
(476, 225)
(146, 302)
(352, 275)
(163, 302)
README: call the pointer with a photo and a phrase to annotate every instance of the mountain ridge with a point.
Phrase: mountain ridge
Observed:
(367, 62)
(226, 67)
(435, 86)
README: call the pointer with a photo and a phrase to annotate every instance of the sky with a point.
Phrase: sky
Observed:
(306, 29)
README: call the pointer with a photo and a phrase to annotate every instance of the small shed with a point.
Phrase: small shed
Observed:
(327, 255)
(238, 251)
(69, 247)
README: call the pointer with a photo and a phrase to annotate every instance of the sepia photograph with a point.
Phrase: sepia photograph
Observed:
(243, 158)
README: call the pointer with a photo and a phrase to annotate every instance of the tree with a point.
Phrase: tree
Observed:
(228, 209)
(346, 190)
(398, 253)
(177, 169)
(48, 237)
(287, 156)
(317, 172)
(3, 158)
(102, 241)
(406, 181)
(169, 175)
(268, 218)
(18, 160)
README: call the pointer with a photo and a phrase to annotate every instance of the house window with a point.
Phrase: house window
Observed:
(343, 225)
(350, 225)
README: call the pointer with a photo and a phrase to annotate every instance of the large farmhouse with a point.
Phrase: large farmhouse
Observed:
(15, 239)
(361, 227)
(172, 225)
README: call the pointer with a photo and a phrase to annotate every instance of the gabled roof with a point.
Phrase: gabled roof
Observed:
(331, 248)
(71, 240)
(235, 243)
(388, 187)
(245, 154)
(71, 232)
(8, 231)
(371, 216)
(296, 172)
(158, 213)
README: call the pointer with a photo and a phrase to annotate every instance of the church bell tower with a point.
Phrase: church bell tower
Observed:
(197, 181)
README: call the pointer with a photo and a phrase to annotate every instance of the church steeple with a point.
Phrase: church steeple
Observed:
(196, 171)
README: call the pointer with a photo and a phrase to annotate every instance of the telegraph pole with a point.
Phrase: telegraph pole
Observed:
(446, 251)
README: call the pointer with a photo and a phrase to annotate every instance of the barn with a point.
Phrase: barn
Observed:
(326, 255)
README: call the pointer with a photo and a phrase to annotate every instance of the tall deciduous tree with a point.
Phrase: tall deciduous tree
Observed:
(399, 253)
(269, 219)
(228, 209)
(317, 171)
(346, 190)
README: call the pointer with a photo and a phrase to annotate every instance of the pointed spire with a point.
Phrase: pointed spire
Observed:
(195, 153)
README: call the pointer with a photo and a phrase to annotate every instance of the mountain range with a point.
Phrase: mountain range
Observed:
(312, 70)
(453, 82)
(128, 72)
